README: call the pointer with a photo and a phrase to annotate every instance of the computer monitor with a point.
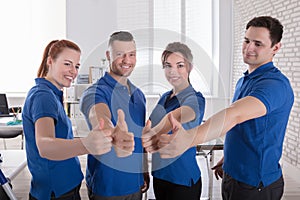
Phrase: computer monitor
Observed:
(4, 111)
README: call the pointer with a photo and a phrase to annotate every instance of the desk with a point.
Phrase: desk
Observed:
(10, 131)
(211, 146)
(13, 162)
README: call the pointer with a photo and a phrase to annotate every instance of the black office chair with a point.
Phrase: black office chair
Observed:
(6, 134)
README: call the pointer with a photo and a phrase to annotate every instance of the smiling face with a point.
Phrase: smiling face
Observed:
(63, 69)
(177, 71)
(122, 58)
(257, 47)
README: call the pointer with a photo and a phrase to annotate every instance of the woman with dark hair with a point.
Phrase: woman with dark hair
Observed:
(178, 178)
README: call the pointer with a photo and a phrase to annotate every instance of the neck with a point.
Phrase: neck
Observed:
(53, 82)
(177, 90)
(120, 79)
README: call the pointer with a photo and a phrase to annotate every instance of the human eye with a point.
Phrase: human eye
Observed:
(77, 67)
(119, 54)
(246, 41)
(67, 64)
(181, 65)
(132, 54)
(166, 66)
(258, 44)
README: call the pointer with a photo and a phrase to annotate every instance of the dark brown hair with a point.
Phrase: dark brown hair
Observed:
(180, 48)
(273, 25)
(53, 49)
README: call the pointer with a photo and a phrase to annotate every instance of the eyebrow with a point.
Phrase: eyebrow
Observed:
(257, 41)
(66, 60)
(176, 63)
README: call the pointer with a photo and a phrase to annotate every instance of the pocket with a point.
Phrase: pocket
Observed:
(277, 189)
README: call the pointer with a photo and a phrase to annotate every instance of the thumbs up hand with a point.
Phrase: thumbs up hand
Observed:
(150, 138)
(177, 143)
(123, 141)
(98, 141)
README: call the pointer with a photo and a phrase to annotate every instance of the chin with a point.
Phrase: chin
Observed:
(126, 74)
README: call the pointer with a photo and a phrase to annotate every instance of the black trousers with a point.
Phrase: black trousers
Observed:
(165, 190)
(235, 190)
(71, 195)
(135, 196)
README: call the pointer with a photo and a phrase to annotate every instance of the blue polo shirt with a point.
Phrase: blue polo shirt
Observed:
(109, 175)
(45, 100)
(182, 170)
(253, 148)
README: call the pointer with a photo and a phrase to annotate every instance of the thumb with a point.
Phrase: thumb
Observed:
(121, 123)
(148, 126)
(174, 123)
(146, 134)
(166, 139)
(101, 127)
(101, 124)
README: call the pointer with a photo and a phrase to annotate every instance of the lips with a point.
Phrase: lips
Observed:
(70, 78)
(250, 54)
(174, 78)
(126, 67)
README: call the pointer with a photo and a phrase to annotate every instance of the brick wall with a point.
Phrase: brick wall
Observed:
(287, 60)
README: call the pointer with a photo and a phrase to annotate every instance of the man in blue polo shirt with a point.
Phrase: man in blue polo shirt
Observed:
(254, 124)
(117, 175)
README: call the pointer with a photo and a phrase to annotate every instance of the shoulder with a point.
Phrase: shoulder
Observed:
(40, 93)
(191, 94)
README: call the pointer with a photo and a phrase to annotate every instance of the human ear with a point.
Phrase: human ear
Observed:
(108, 55)
(276, 47)
(49, 61)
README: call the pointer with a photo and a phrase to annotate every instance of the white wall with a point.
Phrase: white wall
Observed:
(89, 23)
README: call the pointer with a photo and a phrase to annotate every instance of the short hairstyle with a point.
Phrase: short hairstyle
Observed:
(272, 24)
(121, 36)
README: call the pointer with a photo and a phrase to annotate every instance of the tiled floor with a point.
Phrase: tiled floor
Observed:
(21, 183)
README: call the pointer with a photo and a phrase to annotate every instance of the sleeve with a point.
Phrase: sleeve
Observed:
(271, 92)
(44, 104)
(195, 101)
(92, 96)
(158, 112)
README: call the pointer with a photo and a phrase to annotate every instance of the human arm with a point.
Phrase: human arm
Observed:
(123, 141)
(218, 169)
(151, 136)
(146, 175)
(97, 142)
(216, 126)
(145, 186)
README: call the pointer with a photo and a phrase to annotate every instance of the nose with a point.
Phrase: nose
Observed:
(172, 70)
(250, 46)
(126, 58)
(74, 70)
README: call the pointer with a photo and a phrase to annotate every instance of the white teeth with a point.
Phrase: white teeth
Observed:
(174, 78)
(69, 77)
(126, 67)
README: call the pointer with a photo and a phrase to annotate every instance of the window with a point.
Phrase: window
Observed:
(157, 23)
(24, 30)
